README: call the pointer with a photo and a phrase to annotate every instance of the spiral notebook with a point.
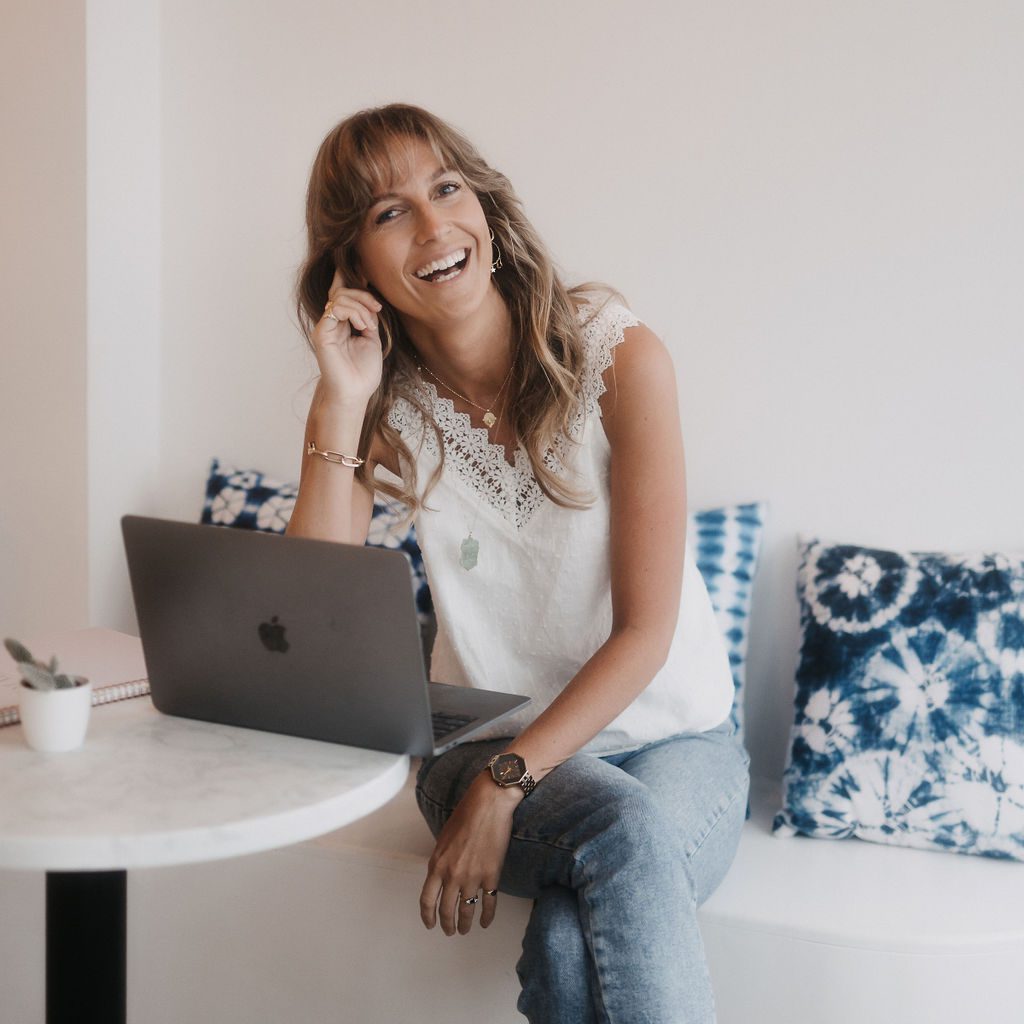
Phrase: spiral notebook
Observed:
(111, 661)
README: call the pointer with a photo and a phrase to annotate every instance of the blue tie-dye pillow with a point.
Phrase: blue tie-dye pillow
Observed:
(725, 544)
(249, 500)
(909, 724)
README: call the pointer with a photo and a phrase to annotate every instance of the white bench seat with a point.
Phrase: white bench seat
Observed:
(867, 896)
(802, 930)
(841, 892)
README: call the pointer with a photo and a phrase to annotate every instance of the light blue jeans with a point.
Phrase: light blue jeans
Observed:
(617, 853)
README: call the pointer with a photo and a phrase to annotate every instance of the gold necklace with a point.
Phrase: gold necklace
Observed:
(489, 418)
(469, 549)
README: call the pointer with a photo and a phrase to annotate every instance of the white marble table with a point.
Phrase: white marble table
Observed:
(147, 790)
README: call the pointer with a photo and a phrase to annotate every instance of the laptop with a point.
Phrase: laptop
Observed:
(303, 637)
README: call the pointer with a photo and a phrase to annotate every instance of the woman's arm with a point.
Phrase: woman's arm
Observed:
(648, 536)
(331, 505)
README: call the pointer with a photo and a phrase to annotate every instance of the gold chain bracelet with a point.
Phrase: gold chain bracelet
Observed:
(352, 461)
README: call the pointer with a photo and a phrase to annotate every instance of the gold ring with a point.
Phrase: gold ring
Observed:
(490, 892)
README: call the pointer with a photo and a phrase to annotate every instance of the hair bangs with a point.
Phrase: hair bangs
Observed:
(382, 151)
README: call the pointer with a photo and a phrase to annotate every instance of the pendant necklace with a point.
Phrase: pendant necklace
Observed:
(489, 418)
(469, 549)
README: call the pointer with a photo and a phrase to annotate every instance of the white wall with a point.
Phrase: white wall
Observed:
(123, 321)
(817, 206)
(43, 560)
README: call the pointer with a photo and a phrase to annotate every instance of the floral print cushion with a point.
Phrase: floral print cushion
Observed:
(909, 726)
(249, 500)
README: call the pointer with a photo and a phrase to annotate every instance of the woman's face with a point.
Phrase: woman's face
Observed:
(429, 217)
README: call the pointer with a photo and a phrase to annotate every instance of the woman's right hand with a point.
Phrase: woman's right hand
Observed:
(350, 363)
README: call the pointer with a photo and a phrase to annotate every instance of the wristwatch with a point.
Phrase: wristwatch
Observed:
(511, 770)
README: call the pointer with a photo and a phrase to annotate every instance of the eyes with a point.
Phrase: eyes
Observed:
(446, 188)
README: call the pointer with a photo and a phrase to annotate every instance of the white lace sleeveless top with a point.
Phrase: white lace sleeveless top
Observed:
(538, 603)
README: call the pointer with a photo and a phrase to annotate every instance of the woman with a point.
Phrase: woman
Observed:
(543, 462)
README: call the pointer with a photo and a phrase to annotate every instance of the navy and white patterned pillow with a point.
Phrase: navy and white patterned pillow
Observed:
(249, 500)
(725, 544)
(909, 726)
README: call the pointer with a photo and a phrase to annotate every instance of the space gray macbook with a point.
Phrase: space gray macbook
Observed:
(303, 637)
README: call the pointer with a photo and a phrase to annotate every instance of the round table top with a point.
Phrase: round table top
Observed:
(147, 789)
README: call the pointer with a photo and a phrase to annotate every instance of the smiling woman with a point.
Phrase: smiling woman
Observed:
(542, 423)
(393, 193)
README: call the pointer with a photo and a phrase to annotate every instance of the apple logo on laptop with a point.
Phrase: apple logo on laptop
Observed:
(272, 636)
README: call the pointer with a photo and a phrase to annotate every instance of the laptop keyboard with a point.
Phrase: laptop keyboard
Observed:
(447, 723)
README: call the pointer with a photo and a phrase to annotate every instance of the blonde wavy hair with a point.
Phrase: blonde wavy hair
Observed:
(357, 158)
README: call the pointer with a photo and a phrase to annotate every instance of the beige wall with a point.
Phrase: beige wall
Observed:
(817, 205)
(43, 558)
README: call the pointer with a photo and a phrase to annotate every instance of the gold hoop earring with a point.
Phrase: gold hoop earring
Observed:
(496, 265)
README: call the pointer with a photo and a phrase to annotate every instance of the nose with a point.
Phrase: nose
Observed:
(431, 223)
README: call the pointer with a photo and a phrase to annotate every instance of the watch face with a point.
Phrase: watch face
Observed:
(508, 769)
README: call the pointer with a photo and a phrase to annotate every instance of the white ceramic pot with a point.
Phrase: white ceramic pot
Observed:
(55, 720)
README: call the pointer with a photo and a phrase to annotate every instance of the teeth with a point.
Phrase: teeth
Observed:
(448, 261)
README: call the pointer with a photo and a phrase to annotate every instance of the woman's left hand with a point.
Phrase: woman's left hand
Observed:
(468, 857)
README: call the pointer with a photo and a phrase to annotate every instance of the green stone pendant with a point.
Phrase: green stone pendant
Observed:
(468, 551)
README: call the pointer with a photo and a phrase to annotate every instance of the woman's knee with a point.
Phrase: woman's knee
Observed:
(586, 819)
(636, 836)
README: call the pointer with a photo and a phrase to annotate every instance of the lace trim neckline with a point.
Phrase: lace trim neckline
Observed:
(481, 464)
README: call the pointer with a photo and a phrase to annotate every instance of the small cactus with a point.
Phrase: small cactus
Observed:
(35, 674)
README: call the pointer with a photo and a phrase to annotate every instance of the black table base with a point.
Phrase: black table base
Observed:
(86, 932)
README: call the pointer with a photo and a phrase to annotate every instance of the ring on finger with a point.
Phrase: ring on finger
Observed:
(472, 901)
(490, 892)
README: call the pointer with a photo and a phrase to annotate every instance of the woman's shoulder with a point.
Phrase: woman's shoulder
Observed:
(606, 320)
(603, 315)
